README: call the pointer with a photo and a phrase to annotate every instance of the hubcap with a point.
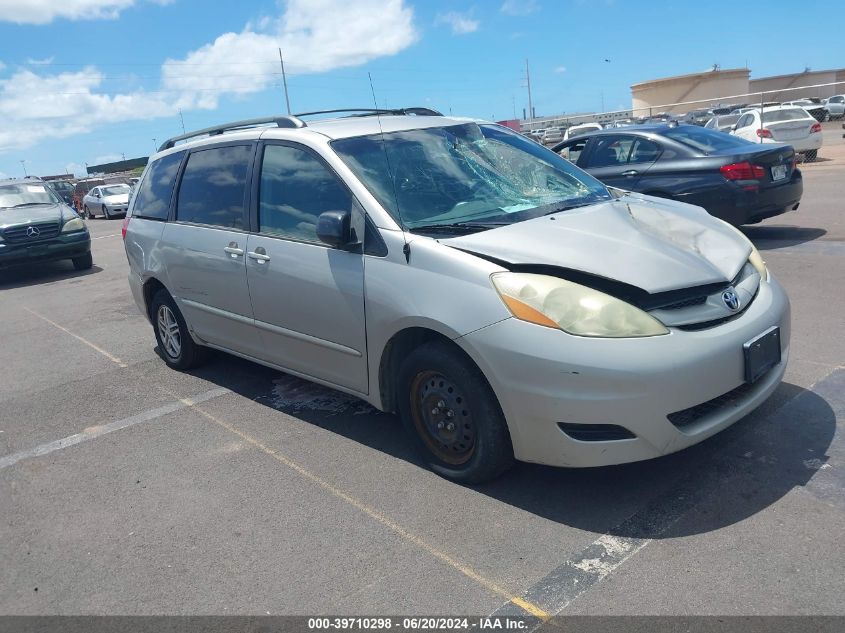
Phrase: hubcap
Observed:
(168, 330)
(442, 417)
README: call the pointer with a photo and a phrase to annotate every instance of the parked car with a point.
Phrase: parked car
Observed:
(782, 124)
(735, 180)
(723, 123)
(552, 135)
(697, 117)
(106, 200)
(37, 226)
(835, 106)
(578, 130)
(505, 303)
(814, 107)
(622, 123)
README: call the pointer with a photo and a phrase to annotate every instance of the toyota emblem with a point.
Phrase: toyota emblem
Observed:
(731, 299)
(32, 231)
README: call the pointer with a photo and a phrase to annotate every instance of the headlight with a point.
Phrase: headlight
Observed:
(75, 224)
(756, 260)
(575, 309)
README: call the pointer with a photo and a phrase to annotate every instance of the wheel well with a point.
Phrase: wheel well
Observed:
(151, 287)
(397, 349)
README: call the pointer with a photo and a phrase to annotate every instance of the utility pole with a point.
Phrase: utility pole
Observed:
(182, 120)
(155, 146)
(528, 84)
(23, 164)
(284, 80)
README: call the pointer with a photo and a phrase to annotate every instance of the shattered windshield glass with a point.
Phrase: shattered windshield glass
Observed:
(465, 173)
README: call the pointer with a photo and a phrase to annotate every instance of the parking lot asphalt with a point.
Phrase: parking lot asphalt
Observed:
(128, 488)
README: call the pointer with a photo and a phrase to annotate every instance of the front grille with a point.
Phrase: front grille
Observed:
(686, 303)
(687, 417)
(595, 432)
(18, 234)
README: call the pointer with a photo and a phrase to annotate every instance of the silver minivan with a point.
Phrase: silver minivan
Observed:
(504, 303)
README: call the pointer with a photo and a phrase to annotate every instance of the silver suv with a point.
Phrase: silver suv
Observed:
(504, 303)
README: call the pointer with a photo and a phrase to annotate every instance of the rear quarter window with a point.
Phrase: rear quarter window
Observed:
(154, 192)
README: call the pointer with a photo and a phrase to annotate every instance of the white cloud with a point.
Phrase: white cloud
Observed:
(460, 23)
(76, 169)
(45, 11)
(40, 62)
(560, 70)
(519, 7)
(315, 35)
(108, 158)
(34, 107)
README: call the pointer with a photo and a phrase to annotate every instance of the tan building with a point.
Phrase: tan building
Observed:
(658, 95)
(773, 88)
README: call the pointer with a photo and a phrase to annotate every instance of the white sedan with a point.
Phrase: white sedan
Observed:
(578, 130)
(782, 124)
(106, 200)
(835, 106)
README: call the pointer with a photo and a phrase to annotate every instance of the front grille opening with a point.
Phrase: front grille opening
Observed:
(687, 417)
(595, 432)
(686, 303)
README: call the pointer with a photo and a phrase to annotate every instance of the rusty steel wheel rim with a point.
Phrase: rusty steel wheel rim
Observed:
(442, 417)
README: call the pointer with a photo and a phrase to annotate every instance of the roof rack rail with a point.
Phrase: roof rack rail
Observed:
(376, 111)
(293, 121)
(284, 121)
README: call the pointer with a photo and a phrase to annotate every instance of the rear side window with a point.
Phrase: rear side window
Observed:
(214, 184)
(153, 198)
(296, 187)
(705, 140)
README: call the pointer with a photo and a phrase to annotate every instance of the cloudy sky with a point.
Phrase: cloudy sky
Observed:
(89, 81)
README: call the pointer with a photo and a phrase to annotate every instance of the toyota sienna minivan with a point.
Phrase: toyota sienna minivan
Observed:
(505, 304)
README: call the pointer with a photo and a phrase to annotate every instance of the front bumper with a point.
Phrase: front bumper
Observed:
(543, 377)
(63, 246)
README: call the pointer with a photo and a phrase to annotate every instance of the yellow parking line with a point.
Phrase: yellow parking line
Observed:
(374, 514)
(111, 357)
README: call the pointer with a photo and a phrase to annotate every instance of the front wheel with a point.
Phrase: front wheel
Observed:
(177, 347)
(452, 415)
(83, 262)
(106, 213)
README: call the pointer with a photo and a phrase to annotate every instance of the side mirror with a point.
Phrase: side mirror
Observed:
(733, 128)
(335, 229)
(96, 195)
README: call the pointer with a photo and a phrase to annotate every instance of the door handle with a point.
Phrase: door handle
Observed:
(233, 250)
(259, 255)
(630, 172)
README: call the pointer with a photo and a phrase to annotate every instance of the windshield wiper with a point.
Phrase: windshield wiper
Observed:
(459, 226)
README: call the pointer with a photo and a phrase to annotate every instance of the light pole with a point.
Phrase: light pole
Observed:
(23, 164)
(155, 146)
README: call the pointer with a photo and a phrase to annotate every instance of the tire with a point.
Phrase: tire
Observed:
(87, 212)
(181, 352)
(83, 262)
(438, 386)
(811, 155)
(106, 213)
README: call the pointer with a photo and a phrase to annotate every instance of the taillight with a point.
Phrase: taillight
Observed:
(125, 226)
(742, 171)
(764, 133)
(817, 127)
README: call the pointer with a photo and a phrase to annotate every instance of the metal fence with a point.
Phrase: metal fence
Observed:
(678, 109)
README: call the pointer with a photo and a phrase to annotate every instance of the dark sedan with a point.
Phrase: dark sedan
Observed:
(733, 179)
(36, 226)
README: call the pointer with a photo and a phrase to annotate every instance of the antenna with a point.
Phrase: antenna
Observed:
(407, 248)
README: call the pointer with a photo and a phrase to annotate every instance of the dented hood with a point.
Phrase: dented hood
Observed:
(651, 243)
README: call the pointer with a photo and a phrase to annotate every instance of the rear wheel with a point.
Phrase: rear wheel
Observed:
(452, 416)
(177, 347)
(83, 262)
(811, 155)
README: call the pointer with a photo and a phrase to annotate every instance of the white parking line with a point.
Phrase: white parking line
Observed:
(96, 431)
(102, 237)
(111, 357)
